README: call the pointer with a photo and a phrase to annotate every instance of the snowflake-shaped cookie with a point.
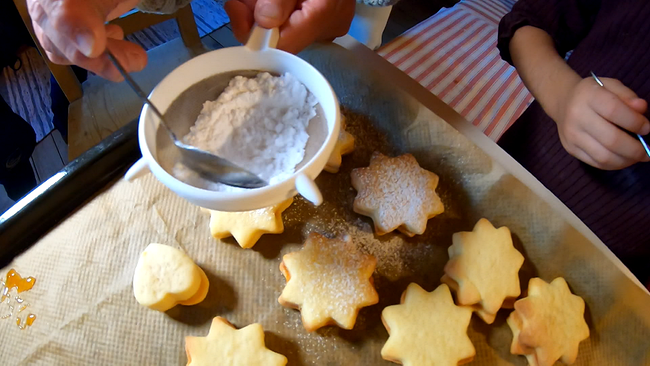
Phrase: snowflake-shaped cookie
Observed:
(344, 145)
(328, 280)
(483, 268)
(247, 227)
(549, 324)
(427, 328)
(225, 345)
(397, 194)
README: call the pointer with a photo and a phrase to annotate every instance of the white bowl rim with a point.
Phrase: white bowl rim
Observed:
(206, 194)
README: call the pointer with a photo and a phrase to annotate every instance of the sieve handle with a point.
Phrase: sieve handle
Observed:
(308, 189)
(140, 168)
(262, 38)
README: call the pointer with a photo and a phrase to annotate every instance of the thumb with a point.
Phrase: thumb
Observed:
(273, 13)
(74, 25)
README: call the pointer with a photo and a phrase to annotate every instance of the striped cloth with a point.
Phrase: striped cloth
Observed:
(454, 55)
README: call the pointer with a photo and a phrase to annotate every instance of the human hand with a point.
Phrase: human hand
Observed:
(591, 120)
(74, 32)
(301, 22)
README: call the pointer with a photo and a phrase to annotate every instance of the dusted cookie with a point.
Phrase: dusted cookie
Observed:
(483, 268)
(226, 346)
(427, 328)
(247, 227)
(328, 280)
(549, 324)
(397, 194)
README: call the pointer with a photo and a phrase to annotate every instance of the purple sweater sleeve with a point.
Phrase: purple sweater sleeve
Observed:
(566, 21)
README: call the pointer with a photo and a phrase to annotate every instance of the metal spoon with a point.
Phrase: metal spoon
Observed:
(645, 145)
(208, 165)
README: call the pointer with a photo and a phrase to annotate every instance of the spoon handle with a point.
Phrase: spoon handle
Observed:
(136, 88)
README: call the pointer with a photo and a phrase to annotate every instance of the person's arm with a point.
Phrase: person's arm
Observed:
(589, 117)
(535, 36)
(543, 71)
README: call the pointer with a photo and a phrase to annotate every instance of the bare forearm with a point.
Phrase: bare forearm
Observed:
(589, 119)
(544, 72)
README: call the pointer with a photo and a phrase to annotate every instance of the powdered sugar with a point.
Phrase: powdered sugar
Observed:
(258, 123)
(329, 279)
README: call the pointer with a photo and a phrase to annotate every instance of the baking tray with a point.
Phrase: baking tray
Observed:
(53, 200)
(87, 314)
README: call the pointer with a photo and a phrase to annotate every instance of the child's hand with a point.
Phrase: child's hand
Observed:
(593, 116)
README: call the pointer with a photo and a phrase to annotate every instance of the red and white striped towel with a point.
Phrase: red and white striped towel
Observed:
(454, 55)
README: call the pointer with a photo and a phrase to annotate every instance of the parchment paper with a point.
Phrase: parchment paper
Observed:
(86, 313)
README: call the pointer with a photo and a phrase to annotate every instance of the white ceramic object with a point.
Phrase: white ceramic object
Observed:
(259, 53)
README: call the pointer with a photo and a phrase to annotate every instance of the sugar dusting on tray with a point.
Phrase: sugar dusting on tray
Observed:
(257, 123)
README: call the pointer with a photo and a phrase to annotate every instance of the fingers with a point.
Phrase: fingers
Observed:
(241, 18)
(590, 151)
(131, 56)
(592, 126)
(301, 22)
(315, 20)
(273, 13)
(638, 105)
(50, 50)
(618, 88)
(582, 155)
(72, 25)
(71, 30)
(114, 31)
(121, 8)
(600, 157)
(620, 105)
(616, 141)
(298, 32)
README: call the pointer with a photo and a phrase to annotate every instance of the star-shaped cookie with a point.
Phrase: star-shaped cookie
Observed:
(427, 328)
(549, 324)
(225, 345)
(247, 227)
(344, 145)
(397, 194)
(328, 280)
(483, 268)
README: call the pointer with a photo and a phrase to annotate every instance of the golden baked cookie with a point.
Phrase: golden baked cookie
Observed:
(549, 324)
(344, 145)
(328, 280)
(427, 328)
(515, 323)
(226, 346)
(397, 194)
(483, 268)
(165, 277)
(200, 294)
(247, 227)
